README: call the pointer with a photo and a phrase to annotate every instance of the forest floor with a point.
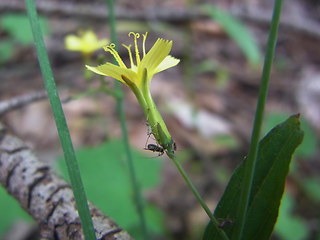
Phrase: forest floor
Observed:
(208, 101)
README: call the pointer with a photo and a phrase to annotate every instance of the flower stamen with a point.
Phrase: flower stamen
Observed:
(130, 54)
(110, 48)
(136, 35)
(144, 43)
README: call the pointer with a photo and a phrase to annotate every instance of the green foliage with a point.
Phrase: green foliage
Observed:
(17, 25)
(308, 147)
(226, 141)
(10, 211)
(61, 123)
(18, 28)
(311, 187)
(6, 50)
(106, 179)
(290, 227)
(274, 155)
(237, 31)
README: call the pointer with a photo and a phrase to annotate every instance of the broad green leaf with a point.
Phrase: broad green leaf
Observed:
(274, 156)
(308, 147)
(237, 31)
(6, 50)
(10, 211)
(311, 187)
(290, 227)
(106, 180)
(18, 26)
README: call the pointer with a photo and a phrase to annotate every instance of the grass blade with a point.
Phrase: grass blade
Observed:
(63, 131)
(252, 156)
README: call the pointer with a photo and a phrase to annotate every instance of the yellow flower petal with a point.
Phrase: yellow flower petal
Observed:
(168, 62)
(72, 43)
(155, 56)
(154, 61)
(113, 71)
(89, 36)
(86, 43)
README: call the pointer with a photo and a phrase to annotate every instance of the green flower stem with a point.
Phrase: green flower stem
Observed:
(64, 135)
(252, 156)
(134, 181)
(154, 118)
(199, 198)
(158, 127)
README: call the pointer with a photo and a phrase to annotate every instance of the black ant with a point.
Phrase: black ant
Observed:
(155, 148)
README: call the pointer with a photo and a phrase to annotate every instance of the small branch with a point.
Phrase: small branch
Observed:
(254, 15)
(96, 11)
(24, 100)
(21, 101)
(45, 196)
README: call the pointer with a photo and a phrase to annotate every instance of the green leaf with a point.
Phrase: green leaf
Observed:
(274, 155)
(6, 50)
(237, 31)
(308, 147)
(290, 227)
(18, 26)
(10, 211)
(311, 187)
(106, 180)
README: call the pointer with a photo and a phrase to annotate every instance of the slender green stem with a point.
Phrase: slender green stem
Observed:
(134, 181)
(73, 169)
(197, 195)
(252, 156)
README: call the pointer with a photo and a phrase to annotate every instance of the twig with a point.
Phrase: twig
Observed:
(24, 100)
(21, 101)
(96, 11)
(305, 26)
(45, 196)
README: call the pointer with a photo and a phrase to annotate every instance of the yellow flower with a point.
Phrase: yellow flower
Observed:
(138, 78)
(156, 60)
(86, 43)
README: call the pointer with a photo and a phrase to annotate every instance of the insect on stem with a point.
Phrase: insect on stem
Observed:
(155, 148)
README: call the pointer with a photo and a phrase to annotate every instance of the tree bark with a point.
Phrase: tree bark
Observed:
(45, 196)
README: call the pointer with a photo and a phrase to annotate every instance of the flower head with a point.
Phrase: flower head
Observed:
(86, 43)
(156, 60)
(138, 76)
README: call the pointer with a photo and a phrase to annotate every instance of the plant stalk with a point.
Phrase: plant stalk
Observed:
(198, 197)
(132, 172)
(252, 156)
(63, 131)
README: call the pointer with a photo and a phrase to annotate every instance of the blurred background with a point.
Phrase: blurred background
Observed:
(207, 101)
